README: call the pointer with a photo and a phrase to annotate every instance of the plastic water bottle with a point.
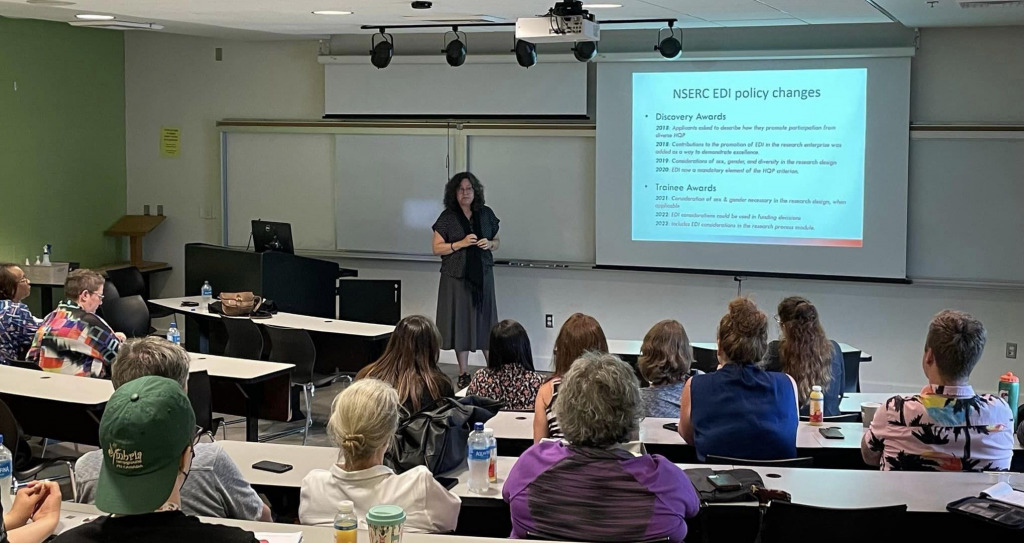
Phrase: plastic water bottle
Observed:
(207, 292)
(6, 475)
(479, 459)
(345, 523)
(1009, 390)
(173, 335)
(817, 406)
(492, 465)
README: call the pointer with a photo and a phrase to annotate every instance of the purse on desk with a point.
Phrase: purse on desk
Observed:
(239, 304)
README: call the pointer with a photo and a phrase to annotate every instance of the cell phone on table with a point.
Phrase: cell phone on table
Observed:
(273, 467)
(447, 482)
(188, 303)
(724, 481)
(674, 426)
(831, 432)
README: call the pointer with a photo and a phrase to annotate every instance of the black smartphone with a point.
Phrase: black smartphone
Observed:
(674, 426)
(188, 303)
(831, 432)
(273, 467)
(447, 482)
(723, 481)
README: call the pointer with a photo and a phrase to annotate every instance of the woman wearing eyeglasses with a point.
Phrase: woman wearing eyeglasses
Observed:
(72, 339)
(17, 325)
(465, 234)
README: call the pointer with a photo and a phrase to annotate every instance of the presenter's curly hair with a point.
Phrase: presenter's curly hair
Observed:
(743, 332)
(804, 350)
(599, 401)
(451, 189)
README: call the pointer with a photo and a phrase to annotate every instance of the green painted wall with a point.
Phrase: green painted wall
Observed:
(62, 141)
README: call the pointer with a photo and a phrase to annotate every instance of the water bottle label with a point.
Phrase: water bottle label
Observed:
(480, 454)
(5, 469)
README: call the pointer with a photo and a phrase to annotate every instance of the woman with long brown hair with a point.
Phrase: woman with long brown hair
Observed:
(807, 355)
(580, 333)
(665, 359)
(409, 364)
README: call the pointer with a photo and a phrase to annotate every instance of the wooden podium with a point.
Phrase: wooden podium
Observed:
(135, 227)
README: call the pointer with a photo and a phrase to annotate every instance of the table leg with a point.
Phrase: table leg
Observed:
(253, 398)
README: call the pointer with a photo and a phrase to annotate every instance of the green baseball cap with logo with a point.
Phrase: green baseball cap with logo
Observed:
(146, 427)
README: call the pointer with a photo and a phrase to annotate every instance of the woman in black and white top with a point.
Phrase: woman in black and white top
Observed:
(464, 235)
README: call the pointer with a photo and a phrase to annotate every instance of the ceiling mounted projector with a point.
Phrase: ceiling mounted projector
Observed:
(566, 22)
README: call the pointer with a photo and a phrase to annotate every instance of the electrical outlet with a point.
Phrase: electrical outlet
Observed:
(549, 321)
(1011, 350)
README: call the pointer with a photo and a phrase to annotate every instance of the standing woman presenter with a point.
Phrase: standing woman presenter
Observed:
(464, 235)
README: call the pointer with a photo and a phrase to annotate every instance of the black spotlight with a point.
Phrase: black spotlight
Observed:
(670, 47)
(381, 51)
(455, 50)
(526, 53)
(584, 50)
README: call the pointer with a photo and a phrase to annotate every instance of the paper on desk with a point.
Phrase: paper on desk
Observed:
(278, 537)
(1005, 493)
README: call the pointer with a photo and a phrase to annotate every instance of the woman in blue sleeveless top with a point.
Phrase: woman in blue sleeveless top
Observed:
(741, 411)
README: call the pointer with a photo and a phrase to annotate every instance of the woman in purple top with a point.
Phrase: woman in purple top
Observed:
(582, 488)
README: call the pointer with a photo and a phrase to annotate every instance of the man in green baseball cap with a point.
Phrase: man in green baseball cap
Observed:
(146, 435)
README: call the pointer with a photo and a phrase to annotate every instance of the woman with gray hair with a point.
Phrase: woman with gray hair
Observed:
(364, 418)
(578, 487)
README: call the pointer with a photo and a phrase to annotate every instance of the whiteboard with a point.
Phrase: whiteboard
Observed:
(965, 220)
(280, 177)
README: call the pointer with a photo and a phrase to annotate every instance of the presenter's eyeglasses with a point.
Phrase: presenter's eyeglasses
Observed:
(466, 189)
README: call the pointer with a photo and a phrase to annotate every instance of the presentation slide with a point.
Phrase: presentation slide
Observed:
(758, 157)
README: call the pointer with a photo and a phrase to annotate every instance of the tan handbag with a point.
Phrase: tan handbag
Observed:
(239, 304)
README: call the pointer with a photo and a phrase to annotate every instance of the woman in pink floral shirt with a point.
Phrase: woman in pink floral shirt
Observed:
(509, 376)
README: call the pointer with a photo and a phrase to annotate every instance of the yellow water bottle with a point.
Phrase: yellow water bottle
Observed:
(345, 523)
(817, 406)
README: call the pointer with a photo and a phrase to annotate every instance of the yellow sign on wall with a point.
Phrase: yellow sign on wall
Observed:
(170, 141)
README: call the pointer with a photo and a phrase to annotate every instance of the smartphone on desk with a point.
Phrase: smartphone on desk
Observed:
(674, 426)
(831, 432)
(447, 482)
(272, 467)
(724, 481)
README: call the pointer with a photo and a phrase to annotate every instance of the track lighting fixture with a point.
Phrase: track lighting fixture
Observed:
(670, 47)
(455, 50)
(526, 53)
(381, 51)
(584, 50)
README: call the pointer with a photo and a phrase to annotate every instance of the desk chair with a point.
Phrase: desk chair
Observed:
(244, 338)
(128, 315)
(785, 522)
(801, 462)
(295, 346)
(845, 417)
(705, 360)
(851, 367)
(130, 282)
(29, 468)
(110, 294)
(200, 395)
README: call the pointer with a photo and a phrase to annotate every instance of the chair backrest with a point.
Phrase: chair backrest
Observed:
(244, 338)
(200, 395)
(705, 360)
(13, 439)
(129, 281)
(801, 462)
(851, 367)
(845, 417)
(293, 346)
(785, 522)
(110, 294)
(128, 315)
(24, 364)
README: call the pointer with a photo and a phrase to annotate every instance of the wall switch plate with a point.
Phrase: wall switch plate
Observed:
(1011, 350)
(549, 321)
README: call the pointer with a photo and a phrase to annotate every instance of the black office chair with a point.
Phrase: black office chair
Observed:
(130, 282)
(787, 522)
(128, 315)
(845, 417)
(29, 468)
(110, 294)
(705, 360)
(801, 462)
(851, 367)
(295, 346)
(200, 395)
(244, 338)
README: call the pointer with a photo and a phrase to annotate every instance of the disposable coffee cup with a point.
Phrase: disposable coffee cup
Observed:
(867, 412)
(385, 523)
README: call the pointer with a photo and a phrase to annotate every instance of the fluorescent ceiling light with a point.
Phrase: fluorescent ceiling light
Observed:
(117, 25)
(331, 12)
(601, 6)
(94, 17)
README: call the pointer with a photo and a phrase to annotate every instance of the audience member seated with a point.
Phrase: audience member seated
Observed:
(807, 355)
(39, 502)
(947, 427)
(509, 376)
(363, 421)
(146, 435)
(409, 364)
(215, 486)
(579, 334)
(664, 362)
(587, 487)
(72, 338)
(17, 325)
(741, 410)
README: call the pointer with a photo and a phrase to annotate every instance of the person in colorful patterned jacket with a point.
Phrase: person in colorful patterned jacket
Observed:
(73, 339)
(17, 325)
(589, 487)
(947, 427)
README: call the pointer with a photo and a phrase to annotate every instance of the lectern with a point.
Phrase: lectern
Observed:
(135, 227)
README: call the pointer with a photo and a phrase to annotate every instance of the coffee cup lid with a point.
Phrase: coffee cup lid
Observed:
(385, 515)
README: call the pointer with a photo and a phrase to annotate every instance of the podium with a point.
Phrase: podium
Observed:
(135, 227)
(297, 284)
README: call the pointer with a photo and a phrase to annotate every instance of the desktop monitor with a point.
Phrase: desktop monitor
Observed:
(272, 236)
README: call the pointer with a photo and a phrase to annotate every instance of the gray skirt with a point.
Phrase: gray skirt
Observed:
(464, 327)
